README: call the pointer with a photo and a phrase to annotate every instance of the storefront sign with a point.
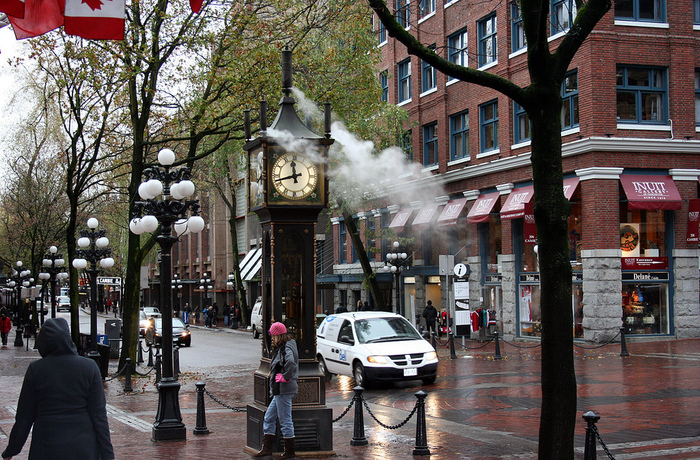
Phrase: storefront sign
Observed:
(693, 220)
(529, 227)
(645, 276)
(461, 289)
(493, 278)
(651, 192)
(482, 208)
(645, 263)
(433, 280)
(530, 278)
(577, 277)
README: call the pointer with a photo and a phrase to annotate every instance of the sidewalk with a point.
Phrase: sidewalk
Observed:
(480, 408)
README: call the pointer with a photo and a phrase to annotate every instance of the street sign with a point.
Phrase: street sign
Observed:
(109, 281)
(461, 270)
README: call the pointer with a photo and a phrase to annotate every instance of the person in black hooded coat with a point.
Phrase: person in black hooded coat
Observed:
(63, 398)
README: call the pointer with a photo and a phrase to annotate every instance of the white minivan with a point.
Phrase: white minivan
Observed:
(256, 318)
(373, 347)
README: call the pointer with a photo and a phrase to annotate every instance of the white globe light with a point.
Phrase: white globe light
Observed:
(166, 157)
(175, 192)
(79, 263)
(154, 187)
(393, 269)
(53, 249)
(196, 224)
(396, 244)
(46, 262)
(107, 262)
(19, 263)
(25, 283)
(92, 222)
(44, 276)
(59, 262)
(134, 226)
(143, 191)
(84, 242)
(12, 284)
(102, 242)
(149, 223)
(181, 227)
(64, 275)
(186, 188)
(404, 255)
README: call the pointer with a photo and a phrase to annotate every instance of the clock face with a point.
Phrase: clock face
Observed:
(294, 176)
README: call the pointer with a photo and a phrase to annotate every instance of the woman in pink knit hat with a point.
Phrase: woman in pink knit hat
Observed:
(283, 388)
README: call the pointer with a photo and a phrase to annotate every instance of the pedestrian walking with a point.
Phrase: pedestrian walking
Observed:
(5, 326)
(283, 387)
(62, 397)
(340, 309)
(186, 313)
(227, 314)
(207, 316)
(197, 312)
(430, 315)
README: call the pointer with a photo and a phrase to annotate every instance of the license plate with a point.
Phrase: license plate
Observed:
(410, 372)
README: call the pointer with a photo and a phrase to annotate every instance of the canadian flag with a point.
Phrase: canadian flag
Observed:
(39, 17)
(95, 19)
(12, 8)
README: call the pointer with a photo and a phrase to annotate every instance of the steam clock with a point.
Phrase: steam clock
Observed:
(288, 189)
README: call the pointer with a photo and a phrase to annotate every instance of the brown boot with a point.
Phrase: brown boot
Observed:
(266, 450)
(289, 448)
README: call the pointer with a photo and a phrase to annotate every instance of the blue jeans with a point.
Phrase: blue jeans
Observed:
(280, 406)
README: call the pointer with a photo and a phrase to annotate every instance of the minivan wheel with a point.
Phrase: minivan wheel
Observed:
(256, 333)
(429, 380)
(324, 370)
(358, 373)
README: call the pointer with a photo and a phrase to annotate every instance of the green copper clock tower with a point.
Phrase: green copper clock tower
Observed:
(288, 188)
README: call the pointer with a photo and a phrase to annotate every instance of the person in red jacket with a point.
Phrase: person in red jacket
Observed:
(5, 326)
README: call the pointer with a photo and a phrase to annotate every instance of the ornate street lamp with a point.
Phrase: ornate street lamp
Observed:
(54, 270)
(396, 261)
(94, 249)
(171, 212)
(22, 278)
(177, 285)
(205, 283)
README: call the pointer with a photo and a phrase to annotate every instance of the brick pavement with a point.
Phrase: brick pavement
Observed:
(480, 408)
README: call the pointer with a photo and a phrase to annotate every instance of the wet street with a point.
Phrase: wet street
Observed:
(479, 408)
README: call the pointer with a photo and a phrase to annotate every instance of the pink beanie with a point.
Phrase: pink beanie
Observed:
(278, 329)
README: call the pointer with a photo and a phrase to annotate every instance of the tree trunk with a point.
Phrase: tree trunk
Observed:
(243, 301)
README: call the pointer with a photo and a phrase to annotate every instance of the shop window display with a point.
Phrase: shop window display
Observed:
(494, 243)
(645, 308)
(642, 233)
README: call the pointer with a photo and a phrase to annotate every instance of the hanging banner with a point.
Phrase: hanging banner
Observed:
(693, 220)
(529, 227)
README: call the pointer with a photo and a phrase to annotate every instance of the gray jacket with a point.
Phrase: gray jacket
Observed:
(290, 371)
(63, 398)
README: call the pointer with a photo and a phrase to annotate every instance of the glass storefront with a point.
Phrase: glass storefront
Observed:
(645, 308)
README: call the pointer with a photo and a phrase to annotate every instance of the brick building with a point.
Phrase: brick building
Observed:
(630, 124)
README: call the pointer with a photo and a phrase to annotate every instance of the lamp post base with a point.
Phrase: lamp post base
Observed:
(168, 425)
(18, 338)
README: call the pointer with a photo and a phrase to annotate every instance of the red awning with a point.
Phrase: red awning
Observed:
(482, 208)
(400, 219)
(651, 192)
(514, 206)
(425, 215)
(451, 212)
(570, 187)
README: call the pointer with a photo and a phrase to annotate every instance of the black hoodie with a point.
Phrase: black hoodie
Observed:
(63, 398)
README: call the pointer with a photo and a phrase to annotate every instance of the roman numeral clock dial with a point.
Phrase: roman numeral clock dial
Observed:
(294, 176)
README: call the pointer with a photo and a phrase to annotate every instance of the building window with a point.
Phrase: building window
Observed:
(641, 10)
(696, 11)
(404, 80)
(459, 136)
(521, 124)
(426, 7)
(569, 101)
(641, 95)
(371, 238)
(403, 13)
(381, 32)
(457, 49)
(342, 243)
(697, 97)
(407, 144)
(563, 15)
(428, 77)
(518, 32)
(487, 40)
(488, 126)
(384, 82)
(430, 147)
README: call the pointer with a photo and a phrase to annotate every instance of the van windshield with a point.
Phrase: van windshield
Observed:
(373, 330)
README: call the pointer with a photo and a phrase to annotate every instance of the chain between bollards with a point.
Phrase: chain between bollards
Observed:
(201, 427)
(358, 432)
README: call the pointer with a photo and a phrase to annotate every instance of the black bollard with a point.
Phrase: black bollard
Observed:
(498, 346)
(453, 355)
(623, 344)
(150, 355)
(433, 341)
(176, 360)
(158, 365)
(201, 427)
(421, 434)
(589, 452)
(139, 355)
(127, 376)
(358, 433)
(18, 338)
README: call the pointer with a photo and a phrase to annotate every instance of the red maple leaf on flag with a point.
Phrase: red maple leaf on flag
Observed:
(94, 4)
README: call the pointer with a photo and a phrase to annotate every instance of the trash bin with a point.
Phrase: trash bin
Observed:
(113, 329)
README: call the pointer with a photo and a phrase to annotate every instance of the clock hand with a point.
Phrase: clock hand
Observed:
(292, 176)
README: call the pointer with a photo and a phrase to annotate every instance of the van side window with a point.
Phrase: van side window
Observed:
(346, 329)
